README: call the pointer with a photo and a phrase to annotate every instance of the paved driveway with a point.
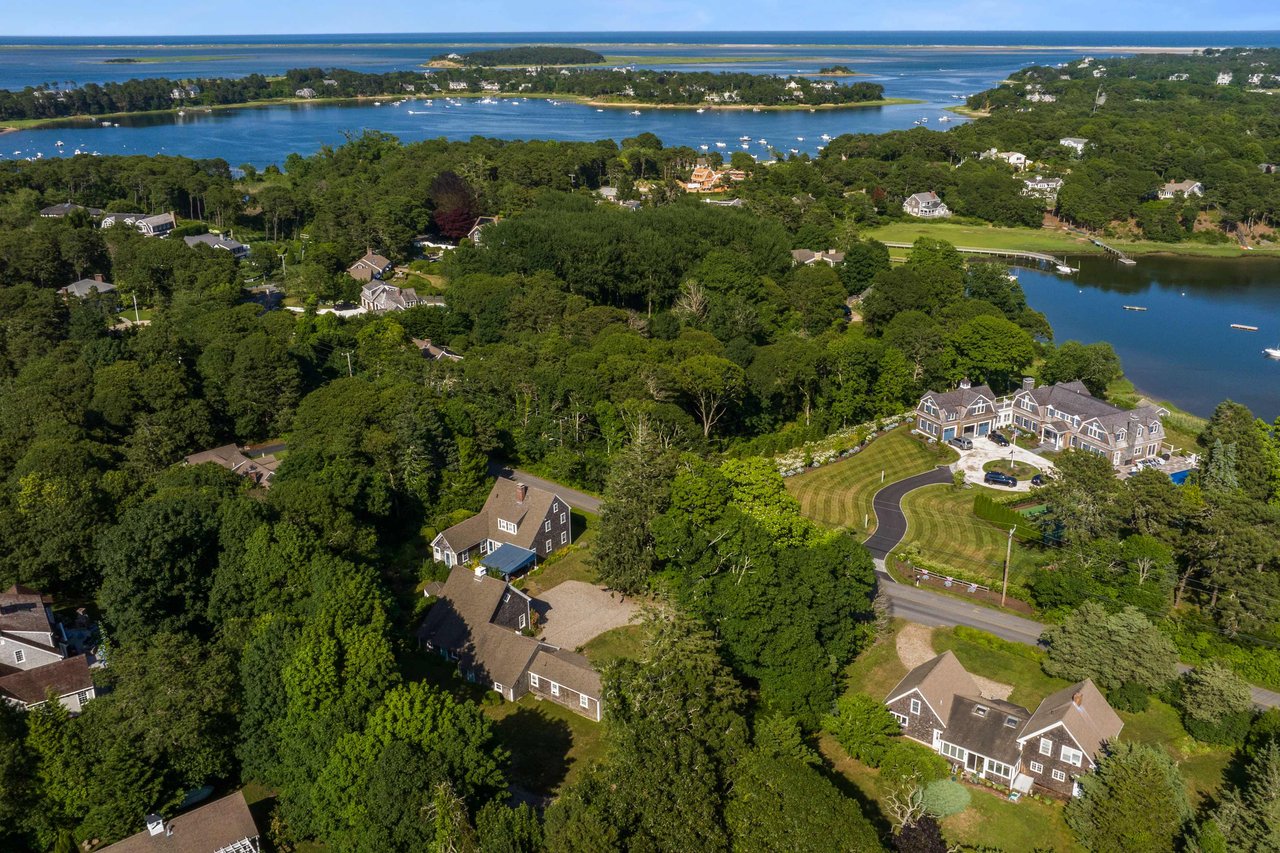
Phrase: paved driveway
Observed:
(985, 450)
(573, 613)
(891, 524)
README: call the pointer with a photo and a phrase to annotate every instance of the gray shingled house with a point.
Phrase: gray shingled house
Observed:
(529, 518)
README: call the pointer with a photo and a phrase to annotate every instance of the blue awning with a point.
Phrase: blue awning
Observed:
(508, 559)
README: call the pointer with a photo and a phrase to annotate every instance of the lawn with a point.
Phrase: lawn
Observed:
(568, 564)
(621, 642)
(840, 494)
(550, 745)
(1018, 665)
(941, 523)
(1020, 470)
(991, 821)
(877, 669)
(979, 236)
(1202, 765)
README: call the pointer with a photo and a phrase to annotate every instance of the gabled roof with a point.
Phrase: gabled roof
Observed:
(461, 621)
(32, 686)
(925, 198)
(566, 669)
(85, 286)
(939, 681)
(152, 222)
(212, 828)
(22, 610)
(982, 726)
(1083, 711)
(960, 399)
(372, 259)
(504, 503)
(217, 242)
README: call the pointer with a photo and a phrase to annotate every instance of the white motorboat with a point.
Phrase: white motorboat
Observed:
(1272, 352)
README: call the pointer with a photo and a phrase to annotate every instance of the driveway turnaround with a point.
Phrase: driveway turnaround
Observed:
(891, 524)
(985, 450)
(574, 613)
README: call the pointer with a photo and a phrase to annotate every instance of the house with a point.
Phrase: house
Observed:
(156, 226)
(377, 296)
(1066, 415)
(1178, 77)
(371, 266)
(1014, 158)
(966, 411)
(475, 235)
(30, 637)
(85, 286)
(1186, 189)
(435, 353)
(1224, 78)
(457, 86)
(1074, 142)
(1045, 188)
(479, 621)
(1268, 168)
(940, 705)
(237, 249)
(259, 470)
(804, 256)
(68, 680)
(926, 206)
(527, 517)
(704, 179)
(58, 211)
(305, 92)
(222, 826)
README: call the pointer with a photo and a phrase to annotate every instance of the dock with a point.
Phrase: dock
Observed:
(1134, 308)
(1110, 250)
(1242, 327)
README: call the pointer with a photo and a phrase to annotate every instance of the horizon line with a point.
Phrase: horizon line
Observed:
(615, 31)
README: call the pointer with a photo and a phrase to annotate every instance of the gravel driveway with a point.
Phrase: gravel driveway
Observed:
(573, 613)
(985, 450)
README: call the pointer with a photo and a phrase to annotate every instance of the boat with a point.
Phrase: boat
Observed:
(704, 147)
(1272, 352)
(924, 119)
(701, 110)
(826, 137)
(599, 111)
(182, 112)
(1243, 328)
(720, 145)
(106, 124)
(1065, 270)
(799, 139)
(944, 118)
(755, 109)
(1134, 308)
(744, 138)
(635, 112)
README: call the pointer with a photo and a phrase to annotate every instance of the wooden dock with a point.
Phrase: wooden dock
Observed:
(1039, 257)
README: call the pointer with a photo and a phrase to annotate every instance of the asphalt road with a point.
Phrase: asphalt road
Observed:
(576, 499)
(939, 610)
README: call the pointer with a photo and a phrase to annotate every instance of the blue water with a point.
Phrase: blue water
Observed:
(1182, 348)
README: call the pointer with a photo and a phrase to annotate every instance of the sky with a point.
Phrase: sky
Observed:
(255, 17)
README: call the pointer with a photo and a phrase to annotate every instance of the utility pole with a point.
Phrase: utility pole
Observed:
(348, 355)
(137, 318)
(1008, 554)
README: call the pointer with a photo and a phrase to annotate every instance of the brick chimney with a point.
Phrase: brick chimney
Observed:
(1078, 698)
(98, 277)
(1028, 383)
(521, 491)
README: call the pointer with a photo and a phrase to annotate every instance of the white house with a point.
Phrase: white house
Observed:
(926, 206)
(1186, 189)
(1074, 142)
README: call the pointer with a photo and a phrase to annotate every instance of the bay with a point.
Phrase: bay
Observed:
(1182, 348)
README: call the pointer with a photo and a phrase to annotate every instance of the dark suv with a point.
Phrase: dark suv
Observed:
(999, 478)
(998, 439)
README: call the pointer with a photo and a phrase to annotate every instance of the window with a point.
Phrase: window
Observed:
(19, 655)
(1072, 756)
(901, 718)
(564, 537)
(562, 518)
(584, 700)
(951, 751)
(555, 507)
(548, 547)
(82, 697)
(506, 526)
(1046, 746)
(1011, 722)
(533, 680)
(506, 596)
(998, 769)
(497, 687)
(555, 689)
(1037, 767)
(547, 527)
(524, 620)
(1059, 776)
(979, 710)
(915, 706)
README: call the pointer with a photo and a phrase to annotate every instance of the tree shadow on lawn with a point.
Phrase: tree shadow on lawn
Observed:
(539, 746)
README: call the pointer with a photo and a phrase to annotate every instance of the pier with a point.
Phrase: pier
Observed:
(1039, 257)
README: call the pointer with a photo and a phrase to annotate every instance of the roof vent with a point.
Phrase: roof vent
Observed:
(155, 824)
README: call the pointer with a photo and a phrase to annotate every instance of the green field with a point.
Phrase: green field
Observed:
(979, 236)
(941, 523)
(840, 494)
(1020, 470)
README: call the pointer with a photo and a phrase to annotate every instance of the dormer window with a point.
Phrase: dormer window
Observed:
(506, 526)
(1010, 722)
(979, 710)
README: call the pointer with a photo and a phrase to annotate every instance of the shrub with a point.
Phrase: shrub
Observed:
(998, 644)
(863, 726)
(1130, 696)
(1216, 704)
(944, 798)
(909, 762)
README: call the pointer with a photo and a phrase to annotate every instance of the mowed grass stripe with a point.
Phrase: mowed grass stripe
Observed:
(840, 494)
(940, 521)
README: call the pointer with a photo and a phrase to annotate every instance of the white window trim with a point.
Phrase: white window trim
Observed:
(1059, 776)
(901, 718)
(1071, 756)
(915, 706)
(498, 687)
(584, 700)
(533, 680)
(555, 689)
(548, 544)
(19, 655)
(82, 696)
(524, 621)
(564, 538)
(562, 518)
(1046, 746)
(547, 527)
(1037, 767)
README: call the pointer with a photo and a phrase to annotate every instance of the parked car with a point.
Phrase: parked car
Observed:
(1000, 478)
(963, 443)
(1039, 479)
(998, 439)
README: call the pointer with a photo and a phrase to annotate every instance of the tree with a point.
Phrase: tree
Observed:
(863, 726)
(18, 786)
(1083, 498)
(637, 491)
(1096, 365)
(712, 383)
(1241, 453)
(1216, 704)
(922, 835)
(1247, 817)
(1134, 801)
(992, 349)
(455, 205)
(1110, 648)
(509, 829)
(944, 797)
